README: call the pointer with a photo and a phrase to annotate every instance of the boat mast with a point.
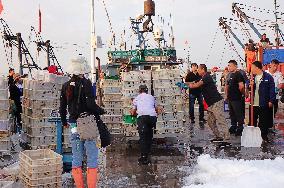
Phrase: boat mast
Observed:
(93, 42)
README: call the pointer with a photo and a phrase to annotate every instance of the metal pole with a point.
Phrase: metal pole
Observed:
(276, 25)
(19, 40)
(47, 52)
(93, 43)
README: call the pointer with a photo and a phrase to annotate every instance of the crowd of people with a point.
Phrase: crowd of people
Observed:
(78, 99)
(262, 91)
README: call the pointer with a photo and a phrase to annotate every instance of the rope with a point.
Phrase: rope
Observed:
(212, 44)
(233, 47)
(6, 52)
(254, 8)
(109, 20)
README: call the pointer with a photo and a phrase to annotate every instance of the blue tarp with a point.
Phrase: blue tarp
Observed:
(270, 54)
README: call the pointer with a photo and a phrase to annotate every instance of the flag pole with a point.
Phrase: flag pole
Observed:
(39, 19)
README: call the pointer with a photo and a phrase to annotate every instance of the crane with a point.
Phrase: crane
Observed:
(18, 42)
(237, 10)
(224, 25)
(46, 46)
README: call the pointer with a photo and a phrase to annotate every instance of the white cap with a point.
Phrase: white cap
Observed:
(79, 66)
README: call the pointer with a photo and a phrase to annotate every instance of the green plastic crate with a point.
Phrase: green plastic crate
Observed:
(129, 119)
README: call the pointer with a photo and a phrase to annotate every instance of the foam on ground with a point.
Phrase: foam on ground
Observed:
(225, 173)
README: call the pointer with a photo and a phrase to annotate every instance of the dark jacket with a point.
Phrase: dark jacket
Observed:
(15, 95)
(87, 101)
(10, 80)
(266, 90)
(191, 77)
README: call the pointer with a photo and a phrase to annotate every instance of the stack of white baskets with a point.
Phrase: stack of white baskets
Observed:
(130, 89)
(41, 168)
(112, 105)
(5, 123)
(40, 107)
(169, 97)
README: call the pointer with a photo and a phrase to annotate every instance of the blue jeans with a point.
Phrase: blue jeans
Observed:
(192, 99)
(79, 148)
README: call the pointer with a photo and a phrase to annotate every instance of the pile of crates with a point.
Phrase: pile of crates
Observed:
(130, 89)
(169, 97)
(5, 121)
(112, 102)
(41, 100)
(40, 168)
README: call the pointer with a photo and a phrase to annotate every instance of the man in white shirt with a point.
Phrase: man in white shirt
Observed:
(278, 80)
(144, 105)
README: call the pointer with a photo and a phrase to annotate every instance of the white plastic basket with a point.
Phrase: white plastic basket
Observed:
(4, 94)
(130, 93)
(4, 114)
(37, 122)
(111, 90)
(3, 83)
(113, 104)
(111, 83)
(43, 103)
(136, 75)
(114, 111)
(112, 97)
(41, 94)
(5, 145)
(116, 119)
(135, 84)
(165, 83)
(166, 74)
(42, 131)
(5, 125)
(4, 104)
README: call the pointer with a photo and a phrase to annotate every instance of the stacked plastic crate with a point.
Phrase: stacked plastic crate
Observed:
(40, 110)
(169, 97)
(112, 102)
(5, 123)
(40, 168)
(130, 89)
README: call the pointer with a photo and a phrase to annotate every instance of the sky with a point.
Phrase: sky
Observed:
(67, 24)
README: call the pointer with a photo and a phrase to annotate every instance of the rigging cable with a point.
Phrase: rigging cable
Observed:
(211, 45)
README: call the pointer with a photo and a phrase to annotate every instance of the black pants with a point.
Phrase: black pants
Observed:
(262, 118)
(192, 99)
(146, 124)
(237, 112)
(18, 120)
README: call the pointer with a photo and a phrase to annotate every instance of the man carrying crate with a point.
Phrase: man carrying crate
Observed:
(145, 107)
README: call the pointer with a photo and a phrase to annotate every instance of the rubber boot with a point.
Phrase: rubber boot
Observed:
(78, 177)
(92, 176)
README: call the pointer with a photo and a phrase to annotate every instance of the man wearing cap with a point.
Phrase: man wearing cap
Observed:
(144, 105)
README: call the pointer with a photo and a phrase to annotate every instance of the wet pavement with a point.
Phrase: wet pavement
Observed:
(173, 159)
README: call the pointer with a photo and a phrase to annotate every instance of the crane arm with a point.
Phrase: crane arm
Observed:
(241, 14)
(225, 26)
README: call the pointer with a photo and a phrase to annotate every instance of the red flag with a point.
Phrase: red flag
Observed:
(1, 7)
(39, 20)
